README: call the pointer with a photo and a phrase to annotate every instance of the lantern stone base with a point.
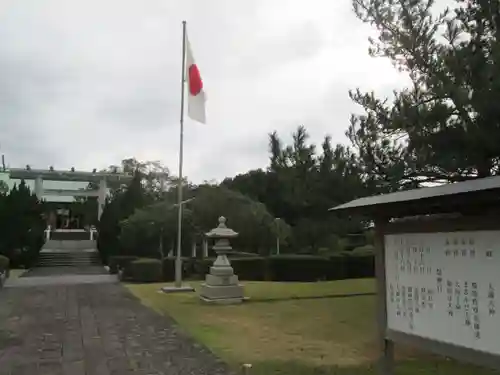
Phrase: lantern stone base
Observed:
(175, 289)
(222, 301)
(221, 294)
(223, 289)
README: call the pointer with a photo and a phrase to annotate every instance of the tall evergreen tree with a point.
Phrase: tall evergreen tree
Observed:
(118, 207)
(21, 225)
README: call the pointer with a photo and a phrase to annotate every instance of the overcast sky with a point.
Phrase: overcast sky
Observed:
(86, 83)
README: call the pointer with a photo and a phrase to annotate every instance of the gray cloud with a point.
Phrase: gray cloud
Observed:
(88, 83)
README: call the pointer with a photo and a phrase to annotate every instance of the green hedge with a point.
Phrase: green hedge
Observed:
(4, 263)
(247, 268)
(119, 261)
(338, 266)
(294, 267)
(359, 265)
(144, 270)
(202, 266)
(346, 265)
(168, 268)
(255, 268)
(242, 254)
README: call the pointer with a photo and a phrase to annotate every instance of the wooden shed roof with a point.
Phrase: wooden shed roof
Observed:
(436, 199)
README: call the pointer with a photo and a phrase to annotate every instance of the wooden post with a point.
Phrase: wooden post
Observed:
(386, 360)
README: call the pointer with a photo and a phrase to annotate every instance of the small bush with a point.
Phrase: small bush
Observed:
(144, 270)
(119, 261)
(4, 263)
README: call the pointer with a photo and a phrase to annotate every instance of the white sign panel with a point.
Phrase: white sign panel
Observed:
(444, 287)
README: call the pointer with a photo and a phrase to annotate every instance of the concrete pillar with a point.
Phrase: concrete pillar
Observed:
(39, 187)
(101, 199)
(205, 248)
(193, 249)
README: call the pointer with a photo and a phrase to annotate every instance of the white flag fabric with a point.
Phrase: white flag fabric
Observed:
(196, 94)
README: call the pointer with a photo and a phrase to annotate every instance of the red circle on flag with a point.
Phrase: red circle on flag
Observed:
(195, 82)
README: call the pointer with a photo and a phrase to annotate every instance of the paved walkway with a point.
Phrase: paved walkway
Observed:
(46, 276)
(23, 282)
(65, 270)
(93, 329)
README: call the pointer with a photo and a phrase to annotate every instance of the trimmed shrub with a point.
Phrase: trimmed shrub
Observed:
(188, 267)
(168, 268)
(295, 267)
(250, 268)
(247, 268)
(144, 270)
(337, 267)
(119, 261)
(307, 268)
(241, 254)
(360, 265)
(202, 266)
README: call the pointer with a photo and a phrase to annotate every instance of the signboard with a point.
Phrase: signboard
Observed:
(445, 287)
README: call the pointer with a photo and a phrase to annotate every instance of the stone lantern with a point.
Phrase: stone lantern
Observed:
(221, 284)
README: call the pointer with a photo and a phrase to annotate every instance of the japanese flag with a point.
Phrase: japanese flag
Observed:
(196, 94)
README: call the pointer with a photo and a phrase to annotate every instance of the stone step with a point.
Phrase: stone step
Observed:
(68, 264)
(65, 264)
(69, 245)
(68, 260)
(75, 235)
(68, 255)
(60, 258)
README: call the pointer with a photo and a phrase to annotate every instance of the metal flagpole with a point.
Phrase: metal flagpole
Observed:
(178, 261)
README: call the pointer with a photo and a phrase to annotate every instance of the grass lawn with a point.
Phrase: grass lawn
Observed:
(294, 328)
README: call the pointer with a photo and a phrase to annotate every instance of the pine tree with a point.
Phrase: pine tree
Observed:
(445, 126)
